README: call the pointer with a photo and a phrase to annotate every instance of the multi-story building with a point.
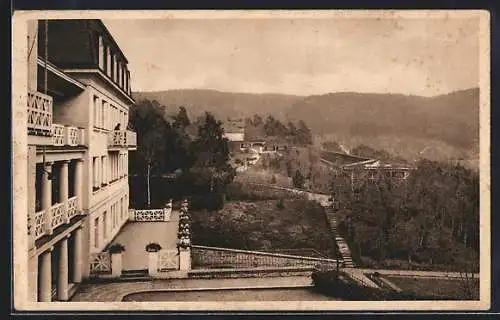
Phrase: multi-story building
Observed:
(78, 100)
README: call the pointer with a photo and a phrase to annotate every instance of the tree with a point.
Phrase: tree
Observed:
(151, 128)
(211, 152)
(298, 180)
(304, 133)
(181, 119)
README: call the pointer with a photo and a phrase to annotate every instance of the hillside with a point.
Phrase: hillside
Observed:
(221, 104)
(446, 126)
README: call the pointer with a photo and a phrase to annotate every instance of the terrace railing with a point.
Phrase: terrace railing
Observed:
(214, 257)
(168, 260)
(100, 263)
(43, 222)
(150, 215)
(122, 138)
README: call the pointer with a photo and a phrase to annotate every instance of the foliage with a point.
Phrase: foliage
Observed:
(211, 152)
(116, 248)
(153, 247)
(281, 204)
(432, 217)
(256, 226)
(298, 179)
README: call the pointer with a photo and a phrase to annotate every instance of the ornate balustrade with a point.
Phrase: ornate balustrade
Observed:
(100, 263)
(122, 138)
(72, 207)
(67, 135)
(39, 224)
(150, 215)
(74, 136)
(168, 260)
(58, 136)
(58, 213)
(39, 114)
(46, 220)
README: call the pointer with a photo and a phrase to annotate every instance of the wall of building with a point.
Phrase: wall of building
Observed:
(73, 111)
(33, 55)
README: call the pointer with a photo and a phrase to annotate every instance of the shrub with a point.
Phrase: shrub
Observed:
(208, 201)
(153, 247)
(281, 204)
(116, 248)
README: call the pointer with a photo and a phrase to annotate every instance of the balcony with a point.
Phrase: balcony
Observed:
(40, 123)
(45, 221)
(122, 139)
(39, 114)
(67, 135)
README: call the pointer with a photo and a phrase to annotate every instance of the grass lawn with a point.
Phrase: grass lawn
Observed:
(439, 288)
(261, 225)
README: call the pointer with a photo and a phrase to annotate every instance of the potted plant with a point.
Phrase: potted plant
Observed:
(153, 247)
(116, 251)
(183, 246)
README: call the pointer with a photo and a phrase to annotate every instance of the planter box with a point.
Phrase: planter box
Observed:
(116, 265)
(185, 259)
(153, 263)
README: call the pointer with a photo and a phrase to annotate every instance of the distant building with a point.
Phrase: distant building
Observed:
(365, 169)
(234, 131)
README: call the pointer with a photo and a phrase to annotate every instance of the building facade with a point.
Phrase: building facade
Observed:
(79, 95)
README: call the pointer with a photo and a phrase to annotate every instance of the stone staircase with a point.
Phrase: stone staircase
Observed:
(344, 250)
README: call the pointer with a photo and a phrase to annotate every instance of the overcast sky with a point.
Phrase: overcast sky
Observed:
(301, 56)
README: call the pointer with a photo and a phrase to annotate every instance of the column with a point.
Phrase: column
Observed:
(47, 197)
(45, 274)
(62, 280)
(63, 188)
(78, 184)
(77, 256)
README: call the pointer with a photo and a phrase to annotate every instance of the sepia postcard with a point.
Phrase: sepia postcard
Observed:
(251, 160)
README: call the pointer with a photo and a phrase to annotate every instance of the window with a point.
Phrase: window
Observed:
(96, 111)
(101, 119)
(103, 170)
(105, 225)
(101, 54)
(108, 60)
(96, 233)
(95, 174)
(105, 58)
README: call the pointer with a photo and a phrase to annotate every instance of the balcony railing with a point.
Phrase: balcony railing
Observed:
(57, 215)
(39, 114)
(40, 122)
(122, 138)
(67, 135)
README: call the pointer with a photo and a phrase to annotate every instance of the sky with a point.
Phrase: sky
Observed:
(301, 56)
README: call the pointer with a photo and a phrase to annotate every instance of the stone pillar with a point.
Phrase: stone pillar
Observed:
(153, 263)
(78, 255)
(78, 183)
(62, 280)
(63, 188)
(185, 259)
(116, 265)
(47, 197)
(45, 274)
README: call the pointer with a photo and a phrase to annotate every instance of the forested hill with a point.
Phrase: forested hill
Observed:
(447, 125)
(221, 104)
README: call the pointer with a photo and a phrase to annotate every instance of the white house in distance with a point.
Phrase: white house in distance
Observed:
(77, 103)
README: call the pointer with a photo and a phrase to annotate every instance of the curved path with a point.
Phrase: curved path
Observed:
(115, 291)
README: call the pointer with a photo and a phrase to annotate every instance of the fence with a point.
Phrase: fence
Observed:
(213, 257)
(150, 215)
(100, 263)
